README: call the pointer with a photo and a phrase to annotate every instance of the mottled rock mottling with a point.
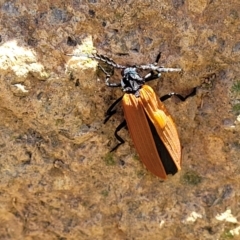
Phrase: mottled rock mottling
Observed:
(58, 180)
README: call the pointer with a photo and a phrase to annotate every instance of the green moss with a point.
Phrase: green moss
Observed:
(235, 95)
(60, 122)
(109, 160)
(119, 15)
(85, 203)
(136, 157)
(191, 178)
(236, 87)
(236, 108)
(140, 173)
(226, 235)
(104, 193)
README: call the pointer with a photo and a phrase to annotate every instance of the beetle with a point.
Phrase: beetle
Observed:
(151, 126)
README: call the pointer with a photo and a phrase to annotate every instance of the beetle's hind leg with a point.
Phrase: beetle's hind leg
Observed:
(110, 112)
(121, 141)
(182, 98)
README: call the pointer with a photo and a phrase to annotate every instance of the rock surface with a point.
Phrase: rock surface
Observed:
(58, 179)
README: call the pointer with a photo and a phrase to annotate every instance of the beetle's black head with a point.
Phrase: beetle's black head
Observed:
(131, 81)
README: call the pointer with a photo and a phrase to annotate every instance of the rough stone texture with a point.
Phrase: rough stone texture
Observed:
(58, 180)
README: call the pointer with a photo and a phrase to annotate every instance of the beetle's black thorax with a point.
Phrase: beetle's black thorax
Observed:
(131, 81)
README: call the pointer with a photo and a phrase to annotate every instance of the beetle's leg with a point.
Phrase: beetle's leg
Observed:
(121, 141)
(165, 97)
(111, 110)
(157, 59)
(151, 76)
(108, 78)
(158, 69)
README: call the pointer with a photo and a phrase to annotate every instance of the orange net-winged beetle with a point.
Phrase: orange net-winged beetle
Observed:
(151, 127)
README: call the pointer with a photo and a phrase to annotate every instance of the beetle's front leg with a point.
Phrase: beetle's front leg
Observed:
(108, 78)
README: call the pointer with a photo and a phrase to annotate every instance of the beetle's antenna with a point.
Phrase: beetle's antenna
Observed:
(110, 62)
(155, 67)
(99, 57)
(159, 69)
